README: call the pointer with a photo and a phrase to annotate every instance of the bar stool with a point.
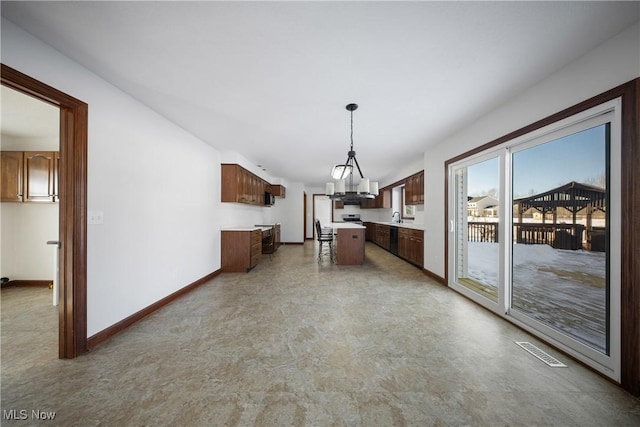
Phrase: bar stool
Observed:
(322, 239)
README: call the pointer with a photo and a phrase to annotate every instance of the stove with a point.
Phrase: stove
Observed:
(355, 218)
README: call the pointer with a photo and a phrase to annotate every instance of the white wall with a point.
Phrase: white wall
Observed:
(615, 62)
(290, 213)
(157, 185)
(26, 228)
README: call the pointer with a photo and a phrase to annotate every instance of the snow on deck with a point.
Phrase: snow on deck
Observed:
(563, 289)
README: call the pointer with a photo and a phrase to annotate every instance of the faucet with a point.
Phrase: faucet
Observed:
(393, 215)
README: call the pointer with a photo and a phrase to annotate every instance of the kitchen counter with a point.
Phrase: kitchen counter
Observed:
(400, 224)
(261, 228)
(347, 225)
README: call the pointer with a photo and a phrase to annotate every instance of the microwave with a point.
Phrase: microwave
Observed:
(269, 198)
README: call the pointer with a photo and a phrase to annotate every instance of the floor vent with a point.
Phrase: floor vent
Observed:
(546, 358)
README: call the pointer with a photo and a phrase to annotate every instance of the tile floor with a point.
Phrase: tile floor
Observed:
(295, 342)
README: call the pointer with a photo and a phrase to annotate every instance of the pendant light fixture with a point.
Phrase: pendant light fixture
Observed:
(342, 186)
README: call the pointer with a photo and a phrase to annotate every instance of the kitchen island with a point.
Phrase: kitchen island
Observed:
(349, 243)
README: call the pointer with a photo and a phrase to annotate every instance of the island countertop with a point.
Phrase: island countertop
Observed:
(350, 225)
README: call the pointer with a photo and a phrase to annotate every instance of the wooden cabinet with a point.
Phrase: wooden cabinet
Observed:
(56, 176)
(30, 176)
(403, 242)
(39, 172)
(382, 236)
(370, 233)
(415, 247)
(338, 204)
(279, 191)
(368, 204)
(384, 199)
(241, 186)
(411, 245)
(414, 189)
(11, 186)
(241, 249)
(381, 201)
(410, 241)
(350, 246)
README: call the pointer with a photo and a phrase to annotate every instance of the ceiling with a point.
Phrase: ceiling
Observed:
(27, 120)
(271, 80)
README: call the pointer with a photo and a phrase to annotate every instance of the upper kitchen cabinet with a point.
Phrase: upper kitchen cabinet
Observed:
(39, 173)
(11, 163)
(30, 176)
(279, 191)
(241, 186)
(414, 189)
(381, 201)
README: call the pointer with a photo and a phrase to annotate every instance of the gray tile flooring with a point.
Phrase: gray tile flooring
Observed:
(295, 342)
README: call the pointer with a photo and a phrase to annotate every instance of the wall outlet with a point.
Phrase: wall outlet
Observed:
(95, 217)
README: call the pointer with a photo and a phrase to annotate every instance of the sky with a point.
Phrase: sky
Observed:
(578, 157)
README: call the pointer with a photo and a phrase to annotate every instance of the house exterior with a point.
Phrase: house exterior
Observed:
(483, 206)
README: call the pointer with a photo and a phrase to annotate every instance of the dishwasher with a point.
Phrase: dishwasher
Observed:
(393, 240)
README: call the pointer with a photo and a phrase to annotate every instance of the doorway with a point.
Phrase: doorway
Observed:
(30, 219)
(534, 229)
(72, 234)
(322, 210)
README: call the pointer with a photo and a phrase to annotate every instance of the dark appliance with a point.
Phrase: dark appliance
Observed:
(269, 199)
(393, 239)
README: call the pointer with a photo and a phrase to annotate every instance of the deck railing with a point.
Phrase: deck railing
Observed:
(559, 236)
(483, 231)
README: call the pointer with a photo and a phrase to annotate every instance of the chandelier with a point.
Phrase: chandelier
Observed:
(342, 188)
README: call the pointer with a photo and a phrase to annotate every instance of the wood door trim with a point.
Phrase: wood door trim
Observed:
(72, 310)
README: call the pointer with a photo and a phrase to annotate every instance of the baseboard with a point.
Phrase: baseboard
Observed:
(293, 243)
(46, 283)
(434, 276)
(112, 330)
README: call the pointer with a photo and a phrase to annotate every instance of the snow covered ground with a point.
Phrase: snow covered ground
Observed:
(563, 289)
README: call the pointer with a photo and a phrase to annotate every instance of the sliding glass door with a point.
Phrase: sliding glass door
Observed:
(559, 254)
(535, 233)
(477, 226)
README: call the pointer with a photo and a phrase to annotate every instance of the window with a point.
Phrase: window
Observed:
(408, 211)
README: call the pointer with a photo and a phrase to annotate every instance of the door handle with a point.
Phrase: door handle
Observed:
(452, 226)
(55, 242)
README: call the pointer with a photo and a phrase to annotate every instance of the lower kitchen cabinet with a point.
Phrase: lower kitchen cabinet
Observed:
(410, 241)
(382, 236)
(241, 249)
(415, 247)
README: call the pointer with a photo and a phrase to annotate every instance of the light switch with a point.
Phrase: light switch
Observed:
(95, 217)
